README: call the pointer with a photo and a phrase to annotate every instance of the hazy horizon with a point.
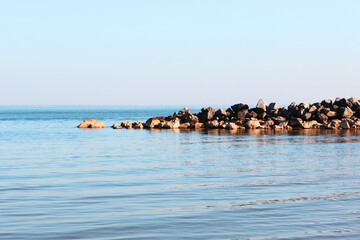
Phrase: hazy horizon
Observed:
(186, 53)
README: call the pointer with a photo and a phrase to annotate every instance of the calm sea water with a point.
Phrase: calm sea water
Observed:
(60, 182)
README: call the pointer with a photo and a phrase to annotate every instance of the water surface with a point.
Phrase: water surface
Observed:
(60, 182)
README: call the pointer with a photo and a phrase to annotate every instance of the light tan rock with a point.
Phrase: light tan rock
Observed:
(232, 125)
(172, 124)
(91, 124)
(184, 126)
(198, 125)
(152, 122)
(252, 124)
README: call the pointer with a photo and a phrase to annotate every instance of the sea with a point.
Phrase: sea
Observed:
(61, 182)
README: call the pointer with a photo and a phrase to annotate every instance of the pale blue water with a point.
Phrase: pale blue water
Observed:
(60, 182)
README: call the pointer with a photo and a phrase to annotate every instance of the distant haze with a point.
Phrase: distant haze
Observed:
(177, 52)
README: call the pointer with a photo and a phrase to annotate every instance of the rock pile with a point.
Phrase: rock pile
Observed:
(327, 114)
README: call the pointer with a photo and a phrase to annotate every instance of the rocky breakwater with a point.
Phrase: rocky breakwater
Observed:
(327, 114)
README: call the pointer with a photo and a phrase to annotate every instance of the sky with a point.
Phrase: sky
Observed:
(202, 52)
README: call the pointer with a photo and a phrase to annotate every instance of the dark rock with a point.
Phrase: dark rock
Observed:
(251, 114)
(207, 114)
(295, 122)
(234, 109)
(279, 120)
(293, 108)
(327, 103)
(345, 124)
(345, 103)
(273, 106)
(221, 113)
(306, 116)
(322, 118)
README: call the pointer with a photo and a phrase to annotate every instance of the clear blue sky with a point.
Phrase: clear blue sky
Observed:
(178, 52)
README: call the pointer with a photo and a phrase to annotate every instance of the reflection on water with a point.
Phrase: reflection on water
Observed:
(60, 182)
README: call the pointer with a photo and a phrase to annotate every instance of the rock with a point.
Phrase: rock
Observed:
(284, 124)
(306, 116)
(221, 113)
(322, 118)
(207, 114)
(312, 109)
(242, 114)
(212, 124)
(231, 125)
(184, 112)
(251, 114)
(172, 124)
(345, 124)
(279, 119)
(331, 114)
(91, 124)
(138, 125)
(295, 122)
(184, 126)
(293, 108)
(345, 112)
(335, 123)
(198, 125)
(308, 124)
(252, 124)
(115, 126)
(327, 103)
(126, 124)
(152, 122)
(269, 123)
(345, 103)
(260, 106)
(353, 100)
(237, 107)
(273, 106)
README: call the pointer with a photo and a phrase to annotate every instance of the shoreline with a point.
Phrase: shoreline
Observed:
(341, 113)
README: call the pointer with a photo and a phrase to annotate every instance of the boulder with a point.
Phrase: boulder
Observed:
(221, 113)
(252, 124)
(345, 124)
(335, 123)
(231, 125)
(312, 109)
(152, 122)
(127, 124)
(234, 109)
(207, 114)
(295, 122)
(91, 124)
(306, 116)
(309, 124)
(327, 103)
(138, 125)
(260, 106)
(279, 119)
(345, 112)
(293, 108)
(198, 125)
(212, 124)
(242, 114)
(172, 124)
(331, 114)
(115, 126)
(273, 106)
(184, 112)
(184, 126)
